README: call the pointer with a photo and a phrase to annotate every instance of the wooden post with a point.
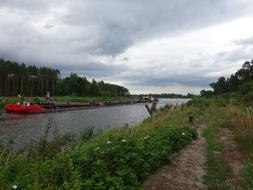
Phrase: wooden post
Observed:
(191, 119)
(152, 109)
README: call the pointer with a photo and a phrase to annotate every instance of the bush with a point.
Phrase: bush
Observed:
(111, 161)
(246, 87)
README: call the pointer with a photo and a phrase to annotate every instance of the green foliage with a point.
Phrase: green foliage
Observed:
(218, 170)
(80, 86)
(26, 80)
(206, 93)
(86, 134)
(247, 177)
(246, 87)
(237, 81)
(112, 160)
(37, 81)
(248, 98)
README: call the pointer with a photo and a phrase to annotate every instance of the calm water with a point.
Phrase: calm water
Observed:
(21, 129)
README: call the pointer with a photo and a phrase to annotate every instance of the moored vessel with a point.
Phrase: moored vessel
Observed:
(24, 107)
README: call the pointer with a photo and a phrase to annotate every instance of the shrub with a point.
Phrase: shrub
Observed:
(246, 87)
(111, 161)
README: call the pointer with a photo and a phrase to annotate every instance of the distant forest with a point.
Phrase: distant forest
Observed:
(241, 81)
(25, 80)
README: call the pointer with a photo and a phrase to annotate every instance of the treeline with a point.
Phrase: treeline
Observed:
(25, 80)
(170, 95)
(80, 86)
(239, 81)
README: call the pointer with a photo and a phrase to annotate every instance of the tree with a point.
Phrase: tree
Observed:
(206, 93)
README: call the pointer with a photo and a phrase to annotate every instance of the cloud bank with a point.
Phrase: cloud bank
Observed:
(147, 46)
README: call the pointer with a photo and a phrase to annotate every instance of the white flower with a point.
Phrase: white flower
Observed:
(146, 137)
(123, 140)
(183, 133)
(98, 148)
(108, 142)
(14, 187)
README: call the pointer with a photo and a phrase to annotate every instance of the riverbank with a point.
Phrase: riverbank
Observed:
(120, 158)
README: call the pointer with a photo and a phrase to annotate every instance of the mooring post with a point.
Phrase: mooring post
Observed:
(191, 119)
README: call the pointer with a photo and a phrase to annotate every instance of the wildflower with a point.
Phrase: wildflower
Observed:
(14, 187)
(123, 140)
(183, 134)
(98, 148)
(146, 137)
(108, 142)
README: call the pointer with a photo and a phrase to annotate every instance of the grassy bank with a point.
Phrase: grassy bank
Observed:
(117, 159)
(6, 100)
(232, 112)
(218, 170)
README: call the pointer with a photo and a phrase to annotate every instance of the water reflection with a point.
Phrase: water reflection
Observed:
(21, 128)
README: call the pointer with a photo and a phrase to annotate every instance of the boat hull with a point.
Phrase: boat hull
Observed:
(24, 109)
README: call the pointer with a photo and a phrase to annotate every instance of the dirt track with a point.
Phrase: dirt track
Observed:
(232, 155)
(185, 172)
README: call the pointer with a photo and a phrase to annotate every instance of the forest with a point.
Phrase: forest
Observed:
(242, 81)
(34, 81)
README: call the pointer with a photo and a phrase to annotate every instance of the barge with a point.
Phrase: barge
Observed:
(45, 107)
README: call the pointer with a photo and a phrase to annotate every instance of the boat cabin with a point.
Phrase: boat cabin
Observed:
(24, 103)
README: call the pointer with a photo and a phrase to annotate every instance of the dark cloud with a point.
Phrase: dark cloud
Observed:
(92, 70)
(74, 36)
(122, 24)
(168, 80)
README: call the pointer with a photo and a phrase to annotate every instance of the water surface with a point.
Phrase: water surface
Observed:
(20, 129)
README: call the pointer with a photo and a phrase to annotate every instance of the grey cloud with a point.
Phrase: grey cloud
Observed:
(95, 70)
(125, 23)
(75, 38)
(25, 5)
(166, 80)
(110, 27)
(243, 51)
(245, 42)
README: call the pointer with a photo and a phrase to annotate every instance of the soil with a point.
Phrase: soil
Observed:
(185, 172)
(232, 155)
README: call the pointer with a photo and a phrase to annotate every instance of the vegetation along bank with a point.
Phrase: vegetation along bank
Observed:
(117, 159)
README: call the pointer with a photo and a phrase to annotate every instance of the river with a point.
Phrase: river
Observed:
(17, 130)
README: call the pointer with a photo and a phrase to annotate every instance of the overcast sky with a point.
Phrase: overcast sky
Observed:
(149, 46)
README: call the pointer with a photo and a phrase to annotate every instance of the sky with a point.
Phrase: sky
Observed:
(161, 46)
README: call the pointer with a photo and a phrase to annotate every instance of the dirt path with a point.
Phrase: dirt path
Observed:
(232, 155)
(185, 172)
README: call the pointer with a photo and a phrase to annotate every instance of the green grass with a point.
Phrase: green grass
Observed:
(115, 159)
(218, 170)
(229, 111)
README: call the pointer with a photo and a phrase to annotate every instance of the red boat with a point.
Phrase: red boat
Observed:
(25, 107)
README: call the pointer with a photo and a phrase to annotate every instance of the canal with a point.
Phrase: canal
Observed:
(17, 130)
